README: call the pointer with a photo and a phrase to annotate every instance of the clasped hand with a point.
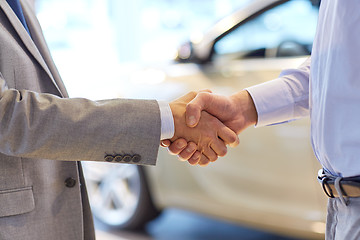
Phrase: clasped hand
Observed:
(206, 123)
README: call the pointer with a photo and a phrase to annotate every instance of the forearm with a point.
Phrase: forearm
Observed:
(44, 126)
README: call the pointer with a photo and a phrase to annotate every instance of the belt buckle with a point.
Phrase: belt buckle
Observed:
(322, 178)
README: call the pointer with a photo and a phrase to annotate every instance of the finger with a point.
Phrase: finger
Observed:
(177, 146)
(219, 148)
(194, 108)
(204, 160)
(210, 154)
(165, 143)
(188, 151)
(195, 158)
(228, 136)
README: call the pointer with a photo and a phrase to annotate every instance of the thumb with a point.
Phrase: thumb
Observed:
(165, 143)
(194, 108)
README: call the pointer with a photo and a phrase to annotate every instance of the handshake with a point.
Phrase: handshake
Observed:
(205, 123)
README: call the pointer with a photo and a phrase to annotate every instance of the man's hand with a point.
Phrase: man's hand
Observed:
(209, 134)
(236, 111)
(186, 151)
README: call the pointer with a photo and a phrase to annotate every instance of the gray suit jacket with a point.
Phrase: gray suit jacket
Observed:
(43, 134)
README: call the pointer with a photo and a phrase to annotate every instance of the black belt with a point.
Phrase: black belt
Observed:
(350, 186)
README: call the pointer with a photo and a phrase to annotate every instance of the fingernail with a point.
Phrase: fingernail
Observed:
(191, 120)
(180, 144)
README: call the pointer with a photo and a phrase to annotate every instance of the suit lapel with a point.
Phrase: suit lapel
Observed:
(28, 41)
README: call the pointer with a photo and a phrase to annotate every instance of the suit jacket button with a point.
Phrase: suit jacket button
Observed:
(118, 158)
(136, 158)
(70, 182)
(126, 158)
(109, 158)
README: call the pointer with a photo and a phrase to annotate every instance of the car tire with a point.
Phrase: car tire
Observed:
(119, 195)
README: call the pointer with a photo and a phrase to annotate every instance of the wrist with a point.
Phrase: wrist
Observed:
(245, 104)
(179, 118)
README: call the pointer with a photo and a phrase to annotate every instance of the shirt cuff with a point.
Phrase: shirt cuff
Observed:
(273, 102)
(167, 121)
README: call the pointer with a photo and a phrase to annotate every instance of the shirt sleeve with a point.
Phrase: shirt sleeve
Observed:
(283, 99)
(167, 121)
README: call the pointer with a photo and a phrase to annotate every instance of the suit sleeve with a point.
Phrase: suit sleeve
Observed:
(283, 99)
(38, 125)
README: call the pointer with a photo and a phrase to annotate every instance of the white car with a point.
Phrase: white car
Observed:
(269, 181)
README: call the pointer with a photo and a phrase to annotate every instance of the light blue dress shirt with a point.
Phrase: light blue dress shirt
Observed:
(330, 92)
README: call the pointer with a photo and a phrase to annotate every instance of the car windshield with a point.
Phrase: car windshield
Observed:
(285, 30)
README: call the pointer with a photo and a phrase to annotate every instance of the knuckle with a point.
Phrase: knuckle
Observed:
(203, 94)
(193, 108)
(190, 107)
(210, 135)
(193, 93)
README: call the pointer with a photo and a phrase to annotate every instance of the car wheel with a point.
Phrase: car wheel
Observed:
(119, 195)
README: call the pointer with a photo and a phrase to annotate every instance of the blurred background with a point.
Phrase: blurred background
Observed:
(264, 189)
(82, 36)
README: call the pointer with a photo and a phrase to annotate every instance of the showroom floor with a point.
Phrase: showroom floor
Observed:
(176, 224)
